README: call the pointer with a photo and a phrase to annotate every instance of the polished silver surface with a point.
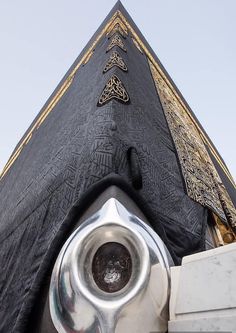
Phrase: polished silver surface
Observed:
(139, 304)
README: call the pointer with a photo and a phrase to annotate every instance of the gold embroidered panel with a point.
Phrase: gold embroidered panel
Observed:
(114, 89)
(202, 181)
(116, 41)
(115, 60)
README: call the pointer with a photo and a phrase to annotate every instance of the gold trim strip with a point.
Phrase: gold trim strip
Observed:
(88, 57)
(118, 22)
(137, 45)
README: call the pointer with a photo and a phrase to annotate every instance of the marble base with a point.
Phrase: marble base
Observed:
(203, 292)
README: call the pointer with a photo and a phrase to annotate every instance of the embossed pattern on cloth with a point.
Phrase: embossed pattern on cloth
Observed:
(202, 181)
(115, 60)
(116, 41)
(114, 89)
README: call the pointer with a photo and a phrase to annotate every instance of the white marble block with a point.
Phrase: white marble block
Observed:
(203, 292)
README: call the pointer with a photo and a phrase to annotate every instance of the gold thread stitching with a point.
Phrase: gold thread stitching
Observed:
(113, 89)
(116, 41)
(115, 60)
(202, 181)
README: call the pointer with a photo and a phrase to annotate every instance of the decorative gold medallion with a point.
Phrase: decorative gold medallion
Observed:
(115, 60)
(116, 41)
(137, 45)
(202, 180)
(114, 89)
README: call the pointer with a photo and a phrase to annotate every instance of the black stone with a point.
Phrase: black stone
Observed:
(112, 267)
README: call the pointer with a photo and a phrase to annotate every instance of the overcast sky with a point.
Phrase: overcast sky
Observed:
(194, 39)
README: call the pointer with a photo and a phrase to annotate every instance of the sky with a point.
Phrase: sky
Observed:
(194, 39)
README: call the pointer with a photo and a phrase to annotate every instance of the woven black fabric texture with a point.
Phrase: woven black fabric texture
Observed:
(79, 150)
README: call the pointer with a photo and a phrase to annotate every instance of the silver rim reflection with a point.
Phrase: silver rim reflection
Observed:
(77, 304)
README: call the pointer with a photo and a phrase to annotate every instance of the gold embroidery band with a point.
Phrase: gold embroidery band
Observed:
(202, 181)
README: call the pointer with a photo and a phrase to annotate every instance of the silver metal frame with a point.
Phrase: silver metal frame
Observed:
(78, 305)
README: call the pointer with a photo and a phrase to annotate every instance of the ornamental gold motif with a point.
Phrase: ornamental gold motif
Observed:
(114, 89)
(202, 181)
(117, 28)
(115, 60)
(116, 41)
